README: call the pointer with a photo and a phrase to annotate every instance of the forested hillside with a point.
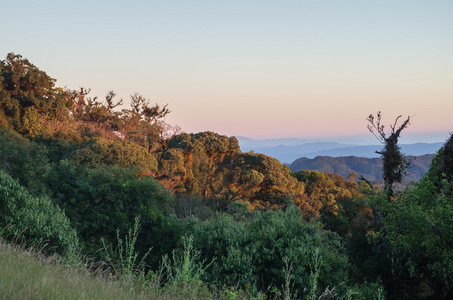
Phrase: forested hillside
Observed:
(81, 178)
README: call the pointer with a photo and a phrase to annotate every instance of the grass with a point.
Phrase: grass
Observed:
(27, 274)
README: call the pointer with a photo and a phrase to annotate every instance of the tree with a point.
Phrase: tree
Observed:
(340, 204)
(441, 168)
(394, 164)
(261, 181)
(25, 82)
(23, 86)
(144, 124)
(110, 104)
(122, 153)
(211, 166)
(113, 117)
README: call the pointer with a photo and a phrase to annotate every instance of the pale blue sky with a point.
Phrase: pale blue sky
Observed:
(262, 69)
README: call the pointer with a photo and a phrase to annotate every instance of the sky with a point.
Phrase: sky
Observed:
(258, 69)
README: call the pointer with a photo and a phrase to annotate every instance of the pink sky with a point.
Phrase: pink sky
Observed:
(260, 69)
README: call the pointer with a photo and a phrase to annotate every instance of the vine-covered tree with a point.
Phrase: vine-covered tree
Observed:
(394, 164)
(416, 237)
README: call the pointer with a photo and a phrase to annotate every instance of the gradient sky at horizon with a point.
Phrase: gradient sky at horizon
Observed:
(260, 69)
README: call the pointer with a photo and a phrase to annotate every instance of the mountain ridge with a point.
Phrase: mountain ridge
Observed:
(288, 150)
(369, 168)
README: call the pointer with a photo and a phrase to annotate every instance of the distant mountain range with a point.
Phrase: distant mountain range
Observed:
(341, 158)
(288, 150)
(369, 168)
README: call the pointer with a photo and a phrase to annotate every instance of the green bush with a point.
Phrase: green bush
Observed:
(258, 254)
(23, 160)
(101, 200)
(34, 221)
(414, 235)
(417, 238)
(103, 152)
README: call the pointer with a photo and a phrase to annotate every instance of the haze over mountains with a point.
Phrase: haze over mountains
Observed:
(368, 168)
(288, 150)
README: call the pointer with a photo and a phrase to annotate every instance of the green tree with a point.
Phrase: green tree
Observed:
(441, 169)
(23, 85)
(277, 188)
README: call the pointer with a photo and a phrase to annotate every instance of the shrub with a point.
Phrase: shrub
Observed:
(256, 254)
(101, 200)
(104, 152)
(34, 220)
(23, 160)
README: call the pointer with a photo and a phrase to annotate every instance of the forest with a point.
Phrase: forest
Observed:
(126, 196)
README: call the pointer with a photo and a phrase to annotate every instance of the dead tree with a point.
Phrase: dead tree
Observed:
(394, 164)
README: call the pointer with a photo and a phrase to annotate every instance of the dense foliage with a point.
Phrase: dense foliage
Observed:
(257, 253)
(77, 173)
(417, 232)
(35, 221)
(101, 200)
(24, 160)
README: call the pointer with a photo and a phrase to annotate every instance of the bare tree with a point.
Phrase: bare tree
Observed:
(109, 100)
(394, 164)
(138, 102)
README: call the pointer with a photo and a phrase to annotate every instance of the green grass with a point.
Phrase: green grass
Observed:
(27, 275)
